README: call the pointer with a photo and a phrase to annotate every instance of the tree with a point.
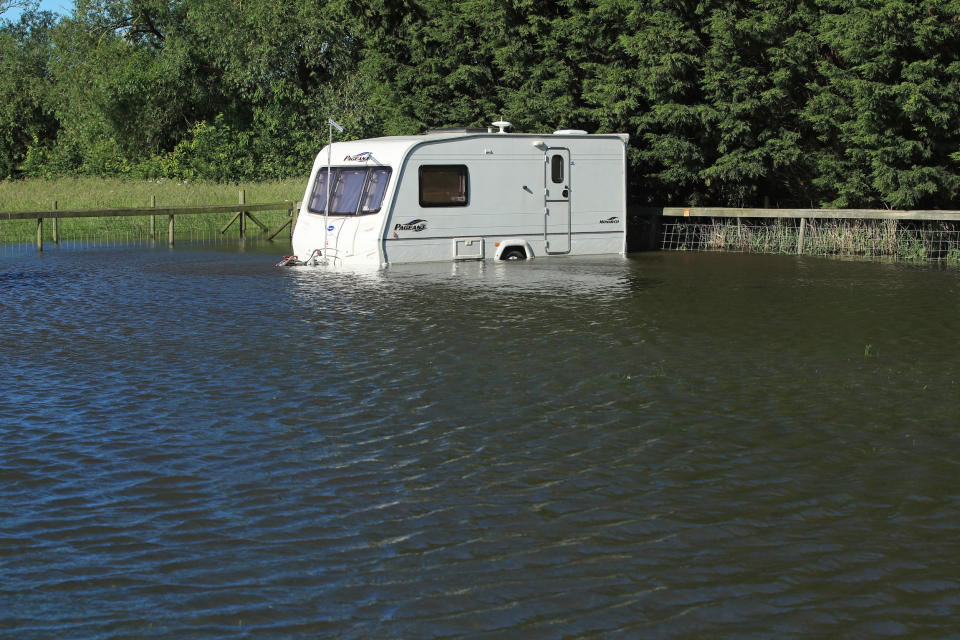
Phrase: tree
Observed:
(129, 84)
(148, 82)
(24, 5)
(757, 59)
(26, 114)
(427, 63)
(652, 82)
(886, 103)
(726, 101)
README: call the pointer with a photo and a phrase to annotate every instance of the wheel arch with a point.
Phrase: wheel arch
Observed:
(513, 243)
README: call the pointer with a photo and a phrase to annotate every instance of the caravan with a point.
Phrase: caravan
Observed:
(465, 194)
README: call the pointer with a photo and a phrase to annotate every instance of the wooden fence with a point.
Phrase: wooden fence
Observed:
(647, 216)
(242, 210)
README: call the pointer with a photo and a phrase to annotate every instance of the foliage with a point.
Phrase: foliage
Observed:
(836, 103)
(25, 114)
(885, 103)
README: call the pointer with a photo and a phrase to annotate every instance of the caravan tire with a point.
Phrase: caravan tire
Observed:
(513, 253)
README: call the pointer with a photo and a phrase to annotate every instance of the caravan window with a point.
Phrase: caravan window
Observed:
(444, 185)
(556, 169)
(373, 193)
(346, 190)
(353, 190)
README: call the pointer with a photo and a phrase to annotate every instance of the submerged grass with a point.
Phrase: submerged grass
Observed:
(99, 193)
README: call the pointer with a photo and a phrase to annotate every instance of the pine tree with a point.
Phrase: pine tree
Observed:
(886, 104)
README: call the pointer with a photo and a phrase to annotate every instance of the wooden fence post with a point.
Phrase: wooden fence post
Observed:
(243, 215)
(803, 228)
(39, 234)
(56, 238)
(153, 218)
(170, 231)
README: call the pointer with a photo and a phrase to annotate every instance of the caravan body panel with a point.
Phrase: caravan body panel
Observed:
(461, 196)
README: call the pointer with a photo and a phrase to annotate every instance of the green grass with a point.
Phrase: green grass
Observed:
(99, 193)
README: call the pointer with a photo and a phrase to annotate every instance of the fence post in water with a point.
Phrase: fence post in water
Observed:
(153, 218)
(803, 228)
(56, 238)
(170, 230)
(243, 215)
(39, 234)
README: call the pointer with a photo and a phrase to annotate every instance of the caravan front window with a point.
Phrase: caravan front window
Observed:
(346, 190)
(373, 193)
(353, 190)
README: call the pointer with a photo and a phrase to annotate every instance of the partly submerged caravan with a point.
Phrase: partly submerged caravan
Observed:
(465, 194)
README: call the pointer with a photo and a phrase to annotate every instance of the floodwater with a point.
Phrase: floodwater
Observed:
(197, 444)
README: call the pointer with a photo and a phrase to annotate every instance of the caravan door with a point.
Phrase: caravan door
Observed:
(556, 228)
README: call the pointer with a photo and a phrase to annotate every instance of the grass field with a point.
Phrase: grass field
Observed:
(98, 193)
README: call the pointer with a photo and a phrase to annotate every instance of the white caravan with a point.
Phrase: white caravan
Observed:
(465, 195)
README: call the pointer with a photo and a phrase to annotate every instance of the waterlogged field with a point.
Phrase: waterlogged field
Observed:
(98, 193)
(194, 443)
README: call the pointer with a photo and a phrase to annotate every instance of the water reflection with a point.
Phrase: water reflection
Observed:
(602, 278)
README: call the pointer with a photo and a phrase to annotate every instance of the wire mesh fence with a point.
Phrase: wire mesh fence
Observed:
(899, 239)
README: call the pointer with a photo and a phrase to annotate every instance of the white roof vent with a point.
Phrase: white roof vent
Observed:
(569, 132)
(503, 124)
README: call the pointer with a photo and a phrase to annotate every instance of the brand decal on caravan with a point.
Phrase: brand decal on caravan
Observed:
(360, 157)
(611, 220)
(413, 225)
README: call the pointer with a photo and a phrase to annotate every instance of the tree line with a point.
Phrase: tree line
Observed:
(840, 103)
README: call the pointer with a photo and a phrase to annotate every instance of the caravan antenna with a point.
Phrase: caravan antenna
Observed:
(503, 124)
(331, 123)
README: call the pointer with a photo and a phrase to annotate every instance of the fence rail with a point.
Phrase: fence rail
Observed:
(146, 211)
(243, 211)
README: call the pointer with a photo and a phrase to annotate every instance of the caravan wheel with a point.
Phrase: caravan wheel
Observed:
(513, 253)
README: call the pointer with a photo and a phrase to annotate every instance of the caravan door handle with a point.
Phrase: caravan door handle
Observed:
(565, 193)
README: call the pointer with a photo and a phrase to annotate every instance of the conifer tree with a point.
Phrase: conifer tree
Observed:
(886, 103)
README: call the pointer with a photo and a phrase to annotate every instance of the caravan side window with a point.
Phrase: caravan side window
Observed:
(444, 185)
(556, 169)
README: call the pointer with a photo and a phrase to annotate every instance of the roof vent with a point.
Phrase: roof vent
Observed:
(503, 124)
(569, 132)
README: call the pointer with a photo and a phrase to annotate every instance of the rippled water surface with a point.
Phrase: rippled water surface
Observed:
(194, 443)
